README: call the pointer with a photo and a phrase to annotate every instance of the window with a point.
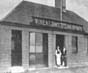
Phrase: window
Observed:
(16, 48)
(38, 49)
(74, 44)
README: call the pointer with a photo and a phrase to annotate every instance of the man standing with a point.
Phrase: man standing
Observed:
(63, 57)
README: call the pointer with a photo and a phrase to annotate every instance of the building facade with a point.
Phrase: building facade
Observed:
(31, 33)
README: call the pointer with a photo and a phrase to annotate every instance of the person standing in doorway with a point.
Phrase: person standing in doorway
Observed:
(64, 57)
(58, 56)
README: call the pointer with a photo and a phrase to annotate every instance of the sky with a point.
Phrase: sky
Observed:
(78, 6)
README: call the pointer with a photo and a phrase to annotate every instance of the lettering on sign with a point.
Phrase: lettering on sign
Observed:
(52, 23)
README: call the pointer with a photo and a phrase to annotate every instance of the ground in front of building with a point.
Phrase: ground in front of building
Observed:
(62, 70)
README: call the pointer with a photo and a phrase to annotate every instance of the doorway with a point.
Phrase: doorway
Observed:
(60, 41)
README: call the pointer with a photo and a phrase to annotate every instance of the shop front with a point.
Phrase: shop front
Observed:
(31, 33)
(35, 48)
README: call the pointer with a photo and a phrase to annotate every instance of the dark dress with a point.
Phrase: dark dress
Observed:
(64, 58)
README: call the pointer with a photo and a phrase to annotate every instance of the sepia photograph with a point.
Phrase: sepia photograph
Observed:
(43, 36)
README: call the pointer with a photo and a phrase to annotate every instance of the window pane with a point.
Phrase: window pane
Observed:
(32, 49)
(39, 46)
(38, 39)
(32, 42)
(39, 49)
(32, 39)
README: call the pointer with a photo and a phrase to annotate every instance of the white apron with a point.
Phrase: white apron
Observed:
(58, 58)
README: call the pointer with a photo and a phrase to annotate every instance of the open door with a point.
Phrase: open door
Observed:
(60, 41)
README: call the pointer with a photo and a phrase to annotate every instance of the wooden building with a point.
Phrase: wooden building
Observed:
(30, 34)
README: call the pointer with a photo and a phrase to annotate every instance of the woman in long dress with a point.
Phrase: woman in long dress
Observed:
(58, 56)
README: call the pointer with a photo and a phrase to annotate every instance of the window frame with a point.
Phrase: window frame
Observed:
(74, 44)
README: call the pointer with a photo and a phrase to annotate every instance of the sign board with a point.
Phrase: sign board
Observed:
(53, 23)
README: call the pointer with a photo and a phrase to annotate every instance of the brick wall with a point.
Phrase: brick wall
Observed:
(73, 59)
(25, 49)
(51, 48)
(5, 48)
(81, 56)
